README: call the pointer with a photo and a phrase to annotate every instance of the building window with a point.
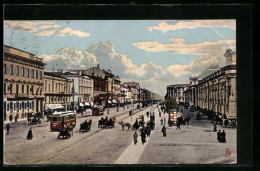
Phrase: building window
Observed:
(17, 105)
(17, 70)
(22, 88)
(52, 86)
(11, 106)
(4, 88)
(32, 105)
(8, 106)
(27, 72)
(32, 73)
(45, 85)
(36, 73)
(11, 69)
(27, 89)
(23, 105)
(40, 75)
(4, 68)
(11, 88)
(27, 107)
(22, 71)
(14, 106)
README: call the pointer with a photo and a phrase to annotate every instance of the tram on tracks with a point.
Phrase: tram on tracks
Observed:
(60, 119)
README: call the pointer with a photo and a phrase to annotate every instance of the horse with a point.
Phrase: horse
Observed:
(186, 120)
(123, 124)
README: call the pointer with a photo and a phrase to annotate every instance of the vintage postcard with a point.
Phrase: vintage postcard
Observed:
(90, 92)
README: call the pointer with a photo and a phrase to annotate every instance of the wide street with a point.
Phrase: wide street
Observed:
(193, 144)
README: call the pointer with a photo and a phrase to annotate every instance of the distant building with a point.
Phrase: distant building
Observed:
(57, 91)
(134, 88)
(23, 83)
(177, 92)
(82, 89)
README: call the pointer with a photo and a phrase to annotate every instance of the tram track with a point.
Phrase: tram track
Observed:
(92, 134)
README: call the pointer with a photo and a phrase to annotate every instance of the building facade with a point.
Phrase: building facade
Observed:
(117, 89)
(23, 83)
(57, 91)
(134, 88)
(177, 92)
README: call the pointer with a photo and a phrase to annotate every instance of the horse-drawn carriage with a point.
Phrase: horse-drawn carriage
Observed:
(105, 123)
(85, 126)
(34, 120)
(66, 132)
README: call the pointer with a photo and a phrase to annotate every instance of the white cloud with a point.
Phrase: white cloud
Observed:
(30, 26)
(70, 31)
(72, 58)
(164, 26)
(43, 28)
(46, 32)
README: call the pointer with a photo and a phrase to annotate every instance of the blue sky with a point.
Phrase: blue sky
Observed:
(167, 49)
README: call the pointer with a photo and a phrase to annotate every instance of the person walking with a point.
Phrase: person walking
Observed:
(178, 125)
(29, 135)
(219, 136)
(214, 126)
(161, 121)
(164, 131)
(7, 128)
(15, 118)
(223, 136)
(11, 118)
(160, 114)
(135, 136)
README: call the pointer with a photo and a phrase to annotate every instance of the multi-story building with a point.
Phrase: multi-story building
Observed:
(117, 88)
(217, 91)
(99, 84)
(177, 92)
(82, 89)
(23, 83)
(126, 95)
(57, 91)
(134, 88)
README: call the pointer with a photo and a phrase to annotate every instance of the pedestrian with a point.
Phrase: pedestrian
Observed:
(214, 126)
(178, 125)
(29, 135)
(219, 136)
(164, 131)
(148, 131)
(161, 121)
(160, 114)
(15, 118)
(223, 136)
(11, 118)
(135, 137)
(7, 128)
(28, 119)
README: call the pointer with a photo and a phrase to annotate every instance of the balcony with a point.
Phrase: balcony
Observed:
(23, 95)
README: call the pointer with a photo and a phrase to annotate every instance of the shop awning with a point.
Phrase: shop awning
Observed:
(53, 106)
(87, 104)
(81, 104)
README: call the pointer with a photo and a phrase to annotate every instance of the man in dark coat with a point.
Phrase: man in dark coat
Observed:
(148, 131)
(223, 137)
(178, 125)
(11, 118)
(164, 131)
(30, 135)
(219, 136)
(15, 118)
(161, 121)
(7, 128)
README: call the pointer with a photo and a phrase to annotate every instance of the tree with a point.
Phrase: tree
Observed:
(171, 104)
